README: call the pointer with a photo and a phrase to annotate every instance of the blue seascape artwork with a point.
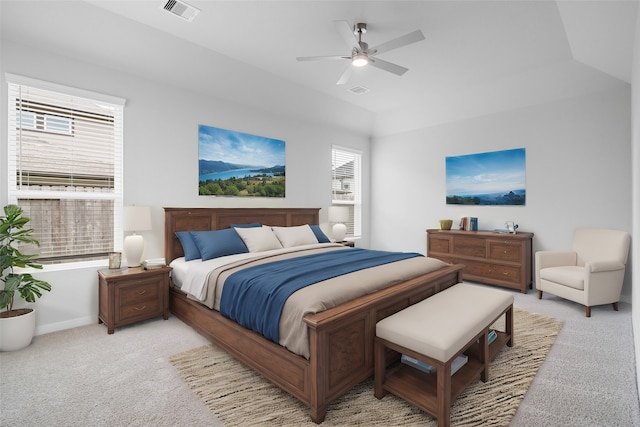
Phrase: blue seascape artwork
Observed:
(232, 163)
(492, 178)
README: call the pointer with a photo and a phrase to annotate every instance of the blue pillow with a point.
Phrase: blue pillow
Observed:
(189, 247)
(214, 244)
(322, 238)
(251, 225)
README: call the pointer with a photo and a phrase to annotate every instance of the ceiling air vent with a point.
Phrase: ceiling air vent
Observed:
(359, 90)
(181, 9)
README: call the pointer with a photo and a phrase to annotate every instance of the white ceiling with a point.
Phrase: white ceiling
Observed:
(478, 57)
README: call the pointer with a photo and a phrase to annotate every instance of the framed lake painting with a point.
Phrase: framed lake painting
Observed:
(239, 164)
(492, 178)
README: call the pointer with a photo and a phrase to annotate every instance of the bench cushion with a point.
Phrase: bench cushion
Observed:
(441, 325)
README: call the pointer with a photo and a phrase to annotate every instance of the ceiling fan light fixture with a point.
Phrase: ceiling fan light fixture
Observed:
(359, 60)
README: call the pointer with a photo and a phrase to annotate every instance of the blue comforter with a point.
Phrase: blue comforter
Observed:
(254, 297)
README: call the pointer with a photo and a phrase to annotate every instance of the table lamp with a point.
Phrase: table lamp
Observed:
(136, 218)
(338, 215)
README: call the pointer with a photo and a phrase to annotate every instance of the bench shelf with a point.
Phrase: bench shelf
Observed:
(419, 388)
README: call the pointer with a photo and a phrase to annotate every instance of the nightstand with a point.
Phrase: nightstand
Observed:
(130, 295)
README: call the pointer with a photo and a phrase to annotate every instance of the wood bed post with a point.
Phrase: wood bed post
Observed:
(317, 381)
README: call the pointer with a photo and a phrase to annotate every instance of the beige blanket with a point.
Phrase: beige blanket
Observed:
(322, 295)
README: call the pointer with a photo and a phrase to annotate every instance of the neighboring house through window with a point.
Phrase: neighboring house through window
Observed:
(65, 167)
(346, 183)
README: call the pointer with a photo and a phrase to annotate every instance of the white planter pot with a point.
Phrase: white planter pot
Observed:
(17, 332)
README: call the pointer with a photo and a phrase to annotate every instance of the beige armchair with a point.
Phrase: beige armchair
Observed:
(591, 274)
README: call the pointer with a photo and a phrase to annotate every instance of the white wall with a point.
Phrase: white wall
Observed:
(635, 124)
(161, 160)
(578, 172)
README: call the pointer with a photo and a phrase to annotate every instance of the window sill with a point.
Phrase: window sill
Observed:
(78, 265)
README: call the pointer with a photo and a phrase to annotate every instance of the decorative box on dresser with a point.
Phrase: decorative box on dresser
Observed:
(132, 294)
(501, 259)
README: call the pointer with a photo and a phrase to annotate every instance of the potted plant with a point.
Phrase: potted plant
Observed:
(17, 325)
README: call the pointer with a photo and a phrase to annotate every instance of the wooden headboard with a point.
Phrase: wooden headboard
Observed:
(198, 219)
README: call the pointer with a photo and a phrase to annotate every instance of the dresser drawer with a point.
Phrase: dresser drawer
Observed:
(497, 272)
(504, 251)
(469, 246)
(440, 245)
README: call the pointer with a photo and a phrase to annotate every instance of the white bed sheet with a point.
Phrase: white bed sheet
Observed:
(192, 277)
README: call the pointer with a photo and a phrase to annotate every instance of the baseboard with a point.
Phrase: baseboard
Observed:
(67, 324)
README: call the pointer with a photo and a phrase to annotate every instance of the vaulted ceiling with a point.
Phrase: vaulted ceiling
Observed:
(478, 57)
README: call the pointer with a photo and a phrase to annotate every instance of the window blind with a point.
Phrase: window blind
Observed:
(346, 185)
(65, 167)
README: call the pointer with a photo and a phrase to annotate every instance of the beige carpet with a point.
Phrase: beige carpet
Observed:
(240, 397)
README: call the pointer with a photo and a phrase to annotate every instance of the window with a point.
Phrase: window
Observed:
(33, 119)
(346, 178)
(65, 167)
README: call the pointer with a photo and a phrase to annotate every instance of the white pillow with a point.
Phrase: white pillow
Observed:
(258, 239)
(295, 236)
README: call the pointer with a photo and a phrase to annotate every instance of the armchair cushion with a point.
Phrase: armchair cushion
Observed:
(572, 276)
(546, 259)
(598, 266)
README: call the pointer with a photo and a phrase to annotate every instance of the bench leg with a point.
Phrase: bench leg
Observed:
(443, 390)
(380, 368)
(484, 375)
(509, 325)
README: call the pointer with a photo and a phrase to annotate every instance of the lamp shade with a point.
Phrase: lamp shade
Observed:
(338, 213)
(137, 218)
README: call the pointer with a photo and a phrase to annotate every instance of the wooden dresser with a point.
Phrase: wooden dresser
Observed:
(500, 259)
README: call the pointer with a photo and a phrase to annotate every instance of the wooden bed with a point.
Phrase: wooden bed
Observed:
(341, 339)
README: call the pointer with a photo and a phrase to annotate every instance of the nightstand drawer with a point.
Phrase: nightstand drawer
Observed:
(146, 289)
(142, 310)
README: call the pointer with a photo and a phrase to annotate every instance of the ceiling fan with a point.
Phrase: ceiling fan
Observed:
(361, 54)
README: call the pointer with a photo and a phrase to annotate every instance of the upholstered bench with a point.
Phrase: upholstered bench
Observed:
(436, 331)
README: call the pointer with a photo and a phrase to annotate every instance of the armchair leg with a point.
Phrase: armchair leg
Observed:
(587, 310)
(539, 294)
(615, 305)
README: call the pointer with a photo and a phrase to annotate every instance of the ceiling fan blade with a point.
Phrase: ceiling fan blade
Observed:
(345, 76)
(387, 66)
(321, 58)
(347, 34)
(413, 37)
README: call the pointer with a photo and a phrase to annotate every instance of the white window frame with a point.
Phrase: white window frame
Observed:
(354, 185)
(15, 190)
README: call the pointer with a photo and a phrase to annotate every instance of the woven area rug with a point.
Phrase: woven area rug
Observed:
(240, 397)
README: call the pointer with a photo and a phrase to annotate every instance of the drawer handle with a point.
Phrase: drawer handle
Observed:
(504, 252)
(506, 273)
(140, 308)
(142, 292)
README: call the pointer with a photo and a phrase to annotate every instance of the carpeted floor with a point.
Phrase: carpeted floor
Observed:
(239, 397)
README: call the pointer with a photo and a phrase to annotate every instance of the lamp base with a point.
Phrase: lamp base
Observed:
(132, 248)
(339, 231)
